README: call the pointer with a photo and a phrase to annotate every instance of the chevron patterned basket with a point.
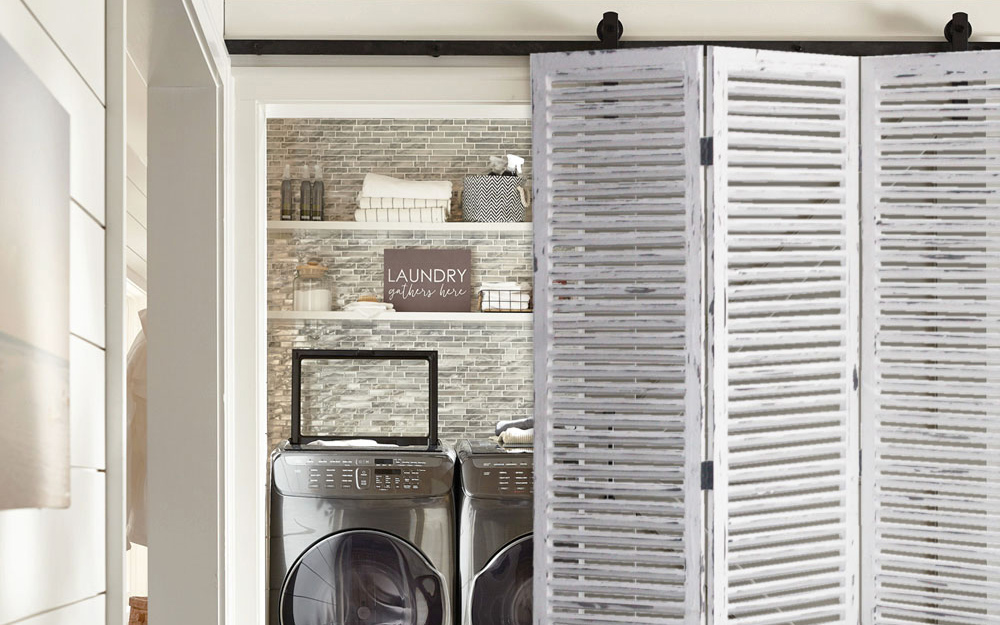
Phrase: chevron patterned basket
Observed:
(493, 198)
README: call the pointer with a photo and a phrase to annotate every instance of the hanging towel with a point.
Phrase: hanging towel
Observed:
(377, 185)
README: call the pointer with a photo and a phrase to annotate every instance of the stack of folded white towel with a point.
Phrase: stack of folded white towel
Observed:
(369, 309)
(384, 198)
(517, 437)
(505, 296)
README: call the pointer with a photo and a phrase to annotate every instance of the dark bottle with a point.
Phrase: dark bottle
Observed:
(305, 198)
(287, 212)
(317, 194)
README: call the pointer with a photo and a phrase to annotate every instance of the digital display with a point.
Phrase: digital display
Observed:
(388, 471)
(380, 461)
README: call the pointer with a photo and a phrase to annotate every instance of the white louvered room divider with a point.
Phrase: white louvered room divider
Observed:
(931, 339)
(618, 234)
(710, 315)
(783, 255)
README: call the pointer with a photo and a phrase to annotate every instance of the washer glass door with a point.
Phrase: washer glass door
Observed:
(501, 593)
(363, 577)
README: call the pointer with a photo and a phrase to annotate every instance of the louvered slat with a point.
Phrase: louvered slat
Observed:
(931, 339)
(618, 336)
(783, 291)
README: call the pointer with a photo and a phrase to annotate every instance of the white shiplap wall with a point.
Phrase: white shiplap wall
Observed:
(52, 562)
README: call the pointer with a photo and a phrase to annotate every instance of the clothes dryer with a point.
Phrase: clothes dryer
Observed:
(495, 547)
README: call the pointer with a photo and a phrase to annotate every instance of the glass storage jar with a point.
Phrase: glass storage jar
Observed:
(313, 290)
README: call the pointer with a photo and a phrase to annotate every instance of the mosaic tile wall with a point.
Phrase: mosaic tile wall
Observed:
(484, 372)
(419, 149)
(485, 369)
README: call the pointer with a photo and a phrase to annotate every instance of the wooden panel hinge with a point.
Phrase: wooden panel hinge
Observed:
(707, 475)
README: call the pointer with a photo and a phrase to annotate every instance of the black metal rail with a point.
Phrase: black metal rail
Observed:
(609, 31)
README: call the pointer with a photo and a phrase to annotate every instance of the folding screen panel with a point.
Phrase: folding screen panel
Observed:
(783, 327)
(618, 323)
(931, 339)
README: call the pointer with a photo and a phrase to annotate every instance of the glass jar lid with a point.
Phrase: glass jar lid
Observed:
(311, 269)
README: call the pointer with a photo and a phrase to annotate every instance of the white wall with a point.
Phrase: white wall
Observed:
(52, 562)
(577, 19)
(135, 166)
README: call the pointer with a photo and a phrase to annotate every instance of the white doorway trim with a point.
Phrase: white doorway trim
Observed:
(188, 350)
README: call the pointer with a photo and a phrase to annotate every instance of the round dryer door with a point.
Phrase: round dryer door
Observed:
(501, 594)
(363, 577)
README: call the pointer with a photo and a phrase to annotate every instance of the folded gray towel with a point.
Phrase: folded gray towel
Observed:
(524, 424)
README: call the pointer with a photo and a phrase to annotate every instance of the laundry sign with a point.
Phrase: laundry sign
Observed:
(416, 280)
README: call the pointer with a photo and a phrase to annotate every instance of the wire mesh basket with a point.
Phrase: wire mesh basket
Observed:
(505, 300)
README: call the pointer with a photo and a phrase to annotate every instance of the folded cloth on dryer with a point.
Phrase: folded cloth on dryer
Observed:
(377, 185)
(516, 437)
(404, 215)
(354, 442)
(524, 423)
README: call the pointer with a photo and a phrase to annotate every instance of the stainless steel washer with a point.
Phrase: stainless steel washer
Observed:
(362, 535)
(495, 524)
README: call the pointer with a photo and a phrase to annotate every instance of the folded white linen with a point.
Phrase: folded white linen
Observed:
(377, 185)
(517, 436)
(402, 202)
(354, 442)
(369, 309)
(401, 215)
(501, 286)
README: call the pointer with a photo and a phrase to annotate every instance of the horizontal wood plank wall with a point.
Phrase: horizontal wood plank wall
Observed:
(783, 249)
(931, 339)
(52, 562)
(618, 344)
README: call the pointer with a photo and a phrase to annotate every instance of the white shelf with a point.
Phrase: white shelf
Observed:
(339, 315)
(376, 226)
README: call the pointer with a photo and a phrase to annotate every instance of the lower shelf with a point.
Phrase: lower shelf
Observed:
(444, 317)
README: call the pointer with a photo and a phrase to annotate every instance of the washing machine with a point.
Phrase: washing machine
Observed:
(361, 531)
(495, 548)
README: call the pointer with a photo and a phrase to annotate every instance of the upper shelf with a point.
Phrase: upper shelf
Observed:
(375, 226)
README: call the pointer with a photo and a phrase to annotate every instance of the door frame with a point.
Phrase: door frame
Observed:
(351, 88)
(189, 348)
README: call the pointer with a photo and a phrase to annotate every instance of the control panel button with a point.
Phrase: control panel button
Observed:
(363, 478)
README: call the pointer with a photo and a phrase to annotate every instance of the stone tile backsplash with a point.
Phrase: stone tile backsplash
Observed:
(485, 375)
(485, 369)
(418, 149)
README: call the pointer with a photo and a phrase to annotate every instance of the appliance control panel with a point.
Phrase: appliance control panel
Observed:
(499, 476)
(326, 474)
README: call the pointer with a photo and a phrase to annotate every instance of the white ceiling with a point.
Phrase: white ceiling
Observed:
(577, 19)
